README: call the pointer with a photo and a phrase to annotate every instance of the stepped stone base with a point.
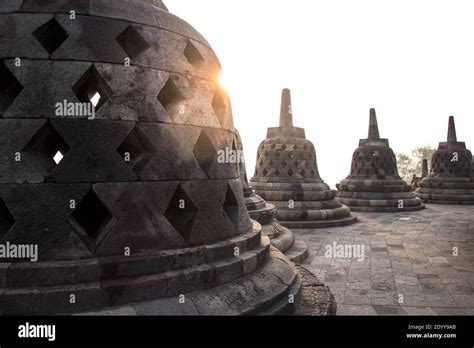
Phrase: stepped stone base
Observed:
(321, 224)
(317, 299)
(284, 240)
(213, 279)
(371, 195)
(264, 292)
(446, 191)
(314, 204)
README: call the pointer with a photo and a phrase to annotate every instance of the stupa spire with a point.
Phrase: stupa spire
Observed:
(424, 170)
(286, 113)
(452, 138)
(373, 126)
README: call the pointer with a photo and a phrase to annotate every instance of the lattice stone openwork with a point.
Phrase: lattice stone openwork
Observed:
(111, 127)
(281, 237)
(374, 183)
(450, 180)
(287, 176)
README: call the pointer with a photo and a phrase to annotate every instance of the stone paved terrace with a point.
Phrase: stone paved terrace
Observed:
(409, 254)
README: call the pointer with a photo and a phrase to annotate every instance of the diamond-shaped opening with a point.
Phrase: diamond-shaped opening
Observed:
(277, 172)
(49, 147)
(231, 206)
(170, 94)
(58, 157)
(290, 173)
(205, 153)
(219, 106)
(10, 88)
(51, 35)
(181, 213)
(136, 149)
(92, 88)
(192, 54)
(6, 219)
(132, 42)
(92, 215)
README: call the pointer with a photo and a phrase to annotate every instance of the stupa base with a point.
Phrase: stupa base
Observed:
(284, 240)
(386, 209)
(212, 279)
(320, 223)
(447, 202)
(268, 291)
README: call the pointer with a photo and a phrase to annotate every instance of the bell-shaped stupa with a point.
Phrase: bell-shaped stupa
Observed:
(373, 183)
(280, 237)
(287, 176)
(451, 179)
(111, 129)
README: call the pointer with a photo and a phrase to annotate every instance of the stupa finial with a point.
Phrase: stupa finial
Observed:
(452, 138)
(424, 169)
(286, 113)
(373, 126)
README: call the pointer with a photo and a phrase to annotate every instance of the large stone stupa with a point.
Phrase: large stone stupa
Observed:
(280, 237)
(374, 184)
(451, 179)
(128, 206)
(287, 176)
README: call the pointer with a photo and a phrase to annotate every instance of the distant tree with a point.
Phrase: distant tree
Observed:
(409, 165)
(419, 154)
(406, 166)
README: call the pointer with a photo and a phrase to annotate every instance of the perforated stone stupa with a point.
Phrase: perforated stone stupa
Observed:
(450, 180)
(374, 183)
(128, 204)
(287, 176)
(280, 237)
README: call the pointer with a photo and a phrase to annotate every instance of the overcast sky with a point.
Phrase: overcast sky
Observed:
(412, 60)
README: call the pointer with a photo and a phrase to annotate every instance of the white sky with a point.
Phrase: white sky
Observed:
(412, 60)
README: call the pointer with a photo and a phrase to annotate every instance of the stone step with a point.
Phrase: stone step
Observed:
(263, 292)
(316, 298)
(284, 306)
(320, 223)
(284, 241)
(298, 252)
(108, 293)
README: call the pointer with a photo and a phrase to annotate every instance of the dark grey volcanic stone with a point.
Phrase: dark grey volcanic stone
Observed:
(128, 205)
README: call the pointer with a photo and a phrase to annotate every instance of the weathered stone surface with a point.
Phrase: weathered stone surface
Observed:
(111, 167)
(17, 38)
(10, 6)
(3, 274)
(450, 180)
(259, 210)
(373, 183)
(317, 299)
(287, 176)
(409, 254)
